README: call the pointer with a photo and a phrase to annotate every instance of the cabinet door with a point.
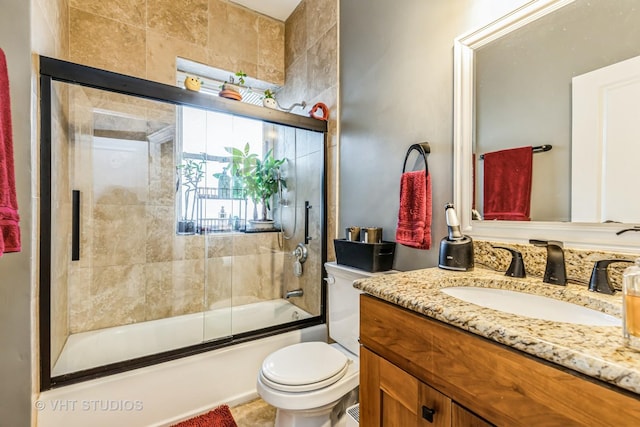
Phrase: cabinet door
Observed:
(461, 417)
(391, 397)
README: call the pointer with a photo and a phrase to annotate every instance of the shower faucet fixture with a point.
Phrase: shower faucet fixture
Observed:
(294, 293)
(300, 254)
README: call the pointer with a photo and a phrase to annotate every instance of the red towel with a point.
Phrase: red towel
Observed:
(414, 216)
(9, 226)
(507, 184)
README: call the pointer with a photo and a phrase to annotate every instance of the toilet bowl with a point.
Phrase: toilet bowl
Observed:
(306, 381)
(312, 383)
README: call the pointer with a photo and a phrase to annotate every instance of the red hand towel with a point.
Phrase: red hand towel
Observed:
(414, 216)
(507, 184)
(9, 226)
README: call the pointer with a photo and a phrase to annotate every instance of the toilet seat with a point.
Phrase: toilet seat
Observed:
(304, 367)
(305, 387)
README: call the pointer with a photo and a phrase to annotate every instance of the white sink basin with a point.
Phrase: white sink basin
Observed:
(535, 306)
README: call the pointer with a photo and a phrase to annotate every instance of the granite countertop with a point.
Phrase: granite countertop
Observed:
(597, 351)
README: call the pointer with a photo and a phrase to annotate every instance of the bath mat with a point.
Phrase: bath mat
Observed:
(219, 417)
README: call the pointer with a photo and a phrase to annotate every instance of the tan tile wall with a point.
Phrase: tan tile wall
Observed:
(61, 241)
(303, 184)
(133, 267)
(50, 28)
(142, 38)
(50, 37)
(311, 59)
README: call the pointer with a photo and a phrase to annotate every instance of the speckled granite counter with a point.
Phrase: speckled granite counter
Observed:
(596, 351)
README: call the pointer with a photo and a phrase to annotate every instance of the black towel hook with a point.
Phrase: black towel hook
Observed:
(423, 148)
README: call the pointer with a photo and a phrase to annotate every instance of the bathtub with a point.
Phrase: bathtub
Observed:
(109, 345)
(163, 394)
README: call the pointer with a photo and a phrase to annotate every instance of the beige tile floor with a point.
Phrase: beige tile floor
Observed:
(256, 413)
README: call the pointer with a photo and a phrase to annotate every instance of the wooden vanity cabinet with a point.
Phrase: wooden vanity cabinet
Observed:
(410, 363)
(395, 398)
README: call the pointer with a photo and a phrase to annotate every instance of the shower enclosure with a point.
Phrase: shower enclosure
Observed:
(148, 251)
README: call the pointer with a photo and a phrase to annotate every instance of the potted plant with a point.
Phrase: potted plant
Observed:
(269, 99)
(230, 89)
(260, 179)
(190, 173)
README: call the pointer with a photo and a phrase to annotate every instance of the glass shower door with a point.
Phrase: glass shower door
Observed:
(126, 284)
(148, 246)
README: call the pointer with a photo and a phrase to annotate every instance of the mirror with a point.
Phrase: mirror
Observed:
(513, 88)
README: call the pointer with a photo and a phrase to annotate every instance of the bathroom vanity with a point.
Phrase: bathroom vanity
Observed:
(427, 355)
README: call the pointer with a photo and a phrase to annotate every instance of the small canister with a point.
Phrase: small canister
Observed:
(631, 306)
(372, 235)
(353, 234)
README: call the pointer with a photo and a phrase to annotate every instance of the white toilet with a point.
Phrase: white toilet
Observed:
(311, 384)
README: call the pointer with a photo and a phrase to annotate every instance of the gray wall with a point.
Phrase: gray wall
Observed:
(15, 276)
(396, 82)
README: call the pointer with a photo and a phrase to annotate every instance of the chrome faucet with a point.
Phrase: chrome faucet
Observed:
(555, 271)
(294, 293)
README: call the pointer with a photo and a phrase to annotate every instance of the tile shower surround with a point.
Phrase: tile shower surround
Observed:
(145, 44)
(142, 38)
(157, 274)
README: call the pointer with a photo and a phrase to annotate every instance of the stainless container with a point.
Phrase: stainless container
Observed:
(372, 235)
(352, 234)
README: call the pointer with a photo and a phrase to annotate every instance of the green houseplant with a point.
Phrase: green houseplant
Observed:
(190, 173)
(231, 86)
(260, 178)
(269, 99)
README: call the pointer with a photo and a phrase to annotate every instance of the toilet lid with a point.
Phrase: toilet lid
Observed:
(307, 366)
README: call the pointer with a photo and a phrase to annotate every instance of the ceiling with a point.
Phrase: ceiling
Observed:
(278, 9)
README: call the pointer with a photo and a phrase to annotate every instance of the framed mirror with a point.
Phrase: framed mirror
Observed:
(515, 84)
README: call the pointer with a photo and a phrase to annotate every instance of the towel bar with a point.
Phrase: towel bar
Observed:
(423, 148)
(536, 149)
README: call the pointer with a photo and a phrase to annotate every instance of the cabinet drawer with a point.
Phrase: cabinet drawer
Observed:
(500, 384)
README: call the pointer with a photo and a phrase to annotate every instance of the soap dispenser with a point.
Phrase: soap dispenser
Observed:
(456, 249)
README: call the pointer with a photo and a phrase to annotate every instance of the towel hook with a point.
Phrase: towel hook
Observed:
(423, 148)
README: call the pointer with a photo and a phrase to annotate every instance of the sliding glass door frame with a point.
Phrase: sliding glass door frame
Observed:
(62, 71)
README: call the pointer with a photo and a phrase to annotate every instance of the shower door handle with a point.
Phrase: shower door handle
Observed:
(307, 206)
(75, 226)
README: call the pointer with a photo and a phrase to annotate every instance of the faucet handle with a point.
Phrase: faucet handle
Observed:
(516, 268)
(545, 243)
(599, 281)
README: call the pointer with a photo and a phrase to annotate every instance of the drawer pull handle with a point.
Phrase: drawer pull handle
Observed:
(428, 413)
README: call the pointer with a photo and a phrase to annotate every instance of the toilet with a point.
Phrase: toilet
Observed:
(311, 384)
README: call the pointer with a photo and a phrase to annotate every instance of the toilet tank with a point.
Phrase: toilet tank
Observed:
(344, 304)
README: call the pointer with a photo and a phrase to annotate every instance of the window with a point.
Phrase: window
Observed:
(212, 200)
